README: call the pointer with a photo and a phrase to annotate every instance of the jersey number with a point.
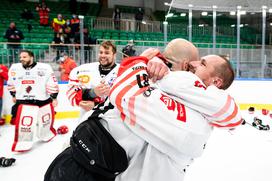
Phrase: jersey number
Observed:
(145, 82)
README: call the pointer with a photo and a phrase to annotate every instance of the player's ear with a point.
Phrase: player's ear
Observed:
(218, 82)
(185, 65)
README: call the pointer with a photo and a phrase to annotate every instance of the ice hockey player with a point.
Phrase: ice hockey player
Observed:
(34, 89)
(89, 84)
(175, 153)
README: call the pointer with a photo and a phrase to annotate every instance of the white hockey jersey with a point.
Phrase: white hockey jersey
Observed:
(36, 83)
(87, 76)
(175, 132)
(214, 104)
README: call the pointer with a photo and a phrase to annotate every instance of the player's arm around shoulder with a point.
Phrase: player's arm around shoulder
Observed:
(210, 100)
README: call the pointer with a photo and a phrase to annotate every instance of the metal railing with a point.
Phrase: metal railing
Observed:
(250, 60)
(129, 24)
(126, 25)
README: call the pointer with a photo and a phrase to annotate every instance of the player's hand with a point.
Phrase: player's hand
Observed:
(86, 105)
(55, 102)
(156, 69)
(150, 53)
(14, 99)
(102, 89)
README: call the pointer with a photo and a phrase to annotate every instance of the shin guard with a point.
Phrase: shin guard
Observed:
(45, 130)
(25, 127)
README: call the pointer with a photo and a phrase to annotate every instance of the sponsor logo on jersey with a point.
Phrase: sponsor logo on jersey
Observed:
(20, 78)
(41, 73)
(84, 78)
(173, 105)
(110, 82)
(28, 97)
(82, 71)
(28, 82)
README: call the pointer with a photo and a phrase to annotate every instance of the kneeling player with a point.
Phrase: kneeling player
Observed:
(34, 89)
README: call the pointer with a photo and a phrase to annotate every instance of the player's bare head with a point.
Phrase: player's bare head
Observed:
(26, 57)
(180, 52)
(107, 54)
(214, 70)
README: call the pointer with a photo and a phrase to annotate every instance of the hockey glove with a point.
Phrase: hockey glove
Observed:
(6, 162)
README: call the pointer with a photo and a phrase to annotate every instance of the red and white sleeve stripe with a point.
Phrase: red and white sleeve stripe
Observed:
(74, 94)
(126, 85)
(52, 85)
(228, 117)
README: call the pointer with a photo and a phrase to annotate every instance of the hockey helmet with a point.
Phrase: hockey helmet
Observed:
(2, 122)
(265, 111)
(251, 110)
(63, 129)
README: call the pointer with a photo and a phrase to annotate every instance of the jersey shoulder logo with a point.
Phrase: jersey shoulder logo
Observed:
(84, 79)
(199, 84)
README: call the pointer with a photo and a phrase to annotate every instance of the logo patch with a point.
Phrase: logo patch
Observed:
(28, 82)
(12, 73)
(174, 105)
(41, 73)
(28, 89)
(84, 79)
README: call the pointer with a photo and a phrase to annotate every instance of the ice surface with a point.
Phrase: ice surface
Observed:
(242, 154)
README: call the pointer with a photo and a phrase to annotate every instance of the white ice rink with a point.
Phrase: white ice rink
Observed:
(244, 154)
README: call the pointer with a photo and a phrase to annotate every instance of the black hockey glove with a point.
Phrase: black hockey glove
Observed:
(6, 162)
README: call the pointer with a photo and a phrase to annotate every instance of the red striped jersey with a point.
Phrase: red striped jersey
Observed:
(175, 122)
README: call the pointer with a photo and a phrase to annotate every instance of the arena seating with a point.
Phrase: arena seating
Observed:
(10, 11)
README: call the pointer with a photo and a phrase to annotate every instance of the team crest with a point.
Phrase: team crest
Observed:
(28, 89)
